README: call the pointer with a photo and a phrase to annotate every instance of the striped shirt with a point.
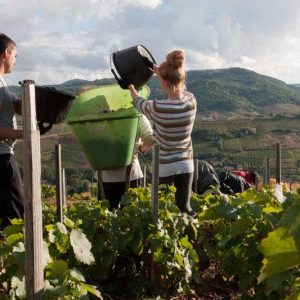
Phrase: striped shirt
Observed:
(173, 123)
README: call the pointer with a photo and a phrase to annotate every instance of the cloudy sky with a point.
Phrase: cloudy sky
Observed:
(59, 40)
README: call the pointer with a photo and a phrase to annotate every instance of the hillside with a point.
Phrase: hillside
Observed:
(223, 90)
(237, 88)
(224, 139)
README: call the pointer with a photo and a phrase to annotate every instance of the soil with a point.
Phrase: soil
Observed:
(213, 287)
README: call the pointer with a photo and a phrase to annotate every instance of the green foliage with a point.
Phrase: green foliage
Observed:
(61, 280)
(48, 191)
(254, 238)
(233, 227)
(281, 250)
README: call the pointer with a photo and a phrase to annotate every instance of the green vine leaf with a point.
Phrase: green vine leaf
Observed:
(18, 287)
(280, 252)
(81, 247)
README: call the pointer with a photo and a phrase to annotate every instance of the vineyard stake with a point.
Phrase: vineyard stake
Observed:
(59, 200)
(154, 206)
(101, 194)
(278, 163)
(155, 182)
(196, 175)
(267, 172)
(145, 176)
(127, 177)
(34, 275)
(63, 185)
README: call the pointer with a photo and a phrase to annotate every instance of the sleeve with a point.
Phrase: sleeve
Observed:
(144, 106)
(145, 128)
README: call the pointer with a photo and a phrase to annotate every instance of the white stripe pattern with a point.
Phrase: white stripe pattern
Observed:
(174, 120)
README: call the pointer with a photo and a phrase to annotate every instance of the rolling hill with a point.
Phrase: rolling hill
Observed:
(220, 90)
(243, 140)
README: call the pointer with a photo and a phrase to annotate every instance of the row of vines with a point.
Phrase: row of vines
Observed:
(252, 239)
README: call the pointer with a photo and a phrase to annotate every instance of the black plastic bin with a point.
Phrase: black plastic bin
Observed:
(132, 65)
(52, 106)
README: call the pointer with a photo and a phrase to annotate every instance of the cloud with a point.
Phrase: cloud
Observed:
(57, 40)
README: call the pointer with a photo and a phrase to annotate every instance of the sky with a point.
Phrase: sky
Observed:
(63, 40)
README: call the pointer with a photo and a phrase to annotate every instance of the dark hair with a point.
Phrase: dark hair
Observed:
(6, 43)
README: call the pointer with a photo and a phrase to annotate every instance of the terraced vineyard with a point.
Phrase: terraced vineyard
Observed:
(251, 143)
(223, 143)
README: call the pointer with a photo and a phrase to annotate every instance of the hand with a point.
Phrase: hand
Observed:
(155, 69)
(131, 87)
(141, 148)
(133, 91)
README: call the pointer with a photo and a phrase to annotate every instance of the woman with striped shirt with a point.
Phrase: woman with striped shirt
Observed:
(173, 120)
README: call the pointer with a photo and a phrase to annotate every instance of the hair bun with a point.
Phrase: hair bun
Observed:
(176, 58)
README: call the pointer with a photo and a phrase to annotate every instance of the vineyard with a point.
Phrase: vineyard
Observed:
(224, 143)
(251, 241)
(247, 143)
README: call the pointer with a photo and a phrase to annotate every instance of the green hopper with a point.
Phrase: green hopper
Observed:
(105, 123)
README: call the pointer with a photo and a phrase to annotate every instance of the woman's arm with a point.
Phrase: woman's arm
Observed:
(140, 103)
(133, 91)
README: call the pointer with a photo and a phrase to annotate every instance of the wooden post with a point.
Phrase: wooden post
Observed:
(59, 200)
(278, 163)
(145, 176)
(196, 175)
(267, 171)
(34, 275)
(63, 186)
(155, 183)
(154, 206)
(101, 194)
(127, 177)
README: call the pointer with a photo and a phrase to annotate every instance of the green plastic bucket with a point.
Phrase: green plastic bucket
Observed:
(105, 123)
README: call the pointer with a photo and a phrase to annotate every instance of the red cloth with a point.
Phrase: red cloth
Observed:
(245, 174)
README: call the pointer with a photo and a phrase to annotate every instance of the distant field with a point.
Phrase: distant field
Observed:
(247, 150)
(282, 108)
(251, 143)
(233, 145)
(205, 149)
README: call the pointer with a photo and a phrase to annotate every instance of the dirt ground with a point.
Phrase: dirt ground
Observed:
(213, 287)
